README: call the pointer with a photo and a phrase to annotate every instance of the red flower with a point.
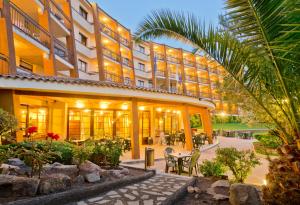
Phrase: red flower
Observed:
(56, 137)
(53, 136)
(32, 129)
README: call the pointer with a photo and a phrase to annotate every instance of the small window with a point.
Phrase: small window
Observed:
(82, 65)
(83, 13)
(141, 67)
(150, 84)
(82, 39)
(141, 49)
(141, 83)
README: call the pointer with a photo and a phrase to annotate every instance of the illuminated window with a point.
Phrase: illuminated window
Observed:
(122, 124)
(144, 124)
(79, 124)
(103, 124)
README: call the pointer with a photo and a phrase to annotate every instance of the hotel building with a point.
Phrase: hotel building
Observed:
(68, 67)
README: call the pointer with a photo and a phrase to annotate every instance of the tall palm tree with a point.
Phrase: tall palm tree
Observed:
(258, 44)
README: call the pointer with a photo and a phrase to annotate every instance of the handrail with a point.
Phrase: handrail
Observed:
(3, 63)
(159, 56)
(124, 41)
(143, 70)
(205, 94)
(127, 62)
(26, 24)
(160, 73)
(128, 81)
(188, 63)
(203, 80)
(173, 59)
(191, 77)
(173, 75)
(201, 67)
(105, 29)
(192, 93)
(62, 51)
(91, 48)
(213, 70)
(112, 55)
(146, 54)
(81, 16)
(112, 77)
(59, 14)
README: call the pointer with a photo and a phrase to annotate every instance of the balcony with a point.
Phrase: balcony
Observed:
(128, 81)
(172, 59)
(106, 30)
(203, 80)
(143, 73)
(3, 63)
(127, 62)
(24, 23)
(141, 55)
(159, 56)
(62, 51)
(124, 42)
(111, 55)
(205, 95)
(112, 77)
(214, 71)
(61, 19)
(173, 75)
(201, 67)
(88, 26)
(189, 63)
(192, 93)
(160, 73)
(89, 52)
(191, 78)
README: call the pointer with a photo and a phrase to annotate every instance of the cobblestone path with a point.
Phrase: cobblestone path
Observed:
(152, 191)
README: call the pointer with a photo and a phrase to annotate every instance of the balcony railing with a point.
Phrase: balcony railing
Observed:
(203, 80)
(3, 63)
(27, 25)
(173, 75)
(124, 41)
(192, 93)
(111, 55)
(128, 81)
(108, 31)
(127, 62)
(213, 70)
(201, 67)
(62, 51)
(191, 78)
(112, 77)
(173, 59)
(188, 63)
(205, 95)
(143, 53)
(159, 56)
(160, 73)
(59, 14)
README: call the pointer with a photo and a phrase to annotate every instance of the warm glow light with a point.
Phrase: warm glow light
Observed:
(101, 112)
(119, 29)
(158, 109)
(87, 110)
(124, 107)
(223, 114)
(155, 47)
(106, 64)
(79, 104)
(104, 19)
(40, 11)
(105, 41)
(168, 110)
(103, 105)
(170, 50)
(184, 54)
(174, 111)
(265, 182)
(45, 55)
(141, 108)
(121, 49)
(178, 112)
(119, 114)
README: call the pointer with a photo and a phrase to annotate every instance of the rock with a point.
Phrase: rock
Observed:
(197, 190)
(220, 197)
(24, 169)
(243, 194)
(11, 186)
(190, 189)
(221, 187)
(69, 170)
(88, 167)
(92, 177)
(54, 183)
(196, 196)
(221, 183)
(10, 170)
(124, 171)
(78, 180)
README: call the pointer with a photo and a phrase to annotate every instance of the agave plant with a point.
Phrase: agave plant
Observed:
(258, 44)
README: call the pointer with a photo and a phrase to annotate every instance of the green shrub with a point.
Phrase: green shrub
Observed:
(212, 168)
(66, 152)
(239, 163)
(269, 141)
(81, 154)
(8, 126)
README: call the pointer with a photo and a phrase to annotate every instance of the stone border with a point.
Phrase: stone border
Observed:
(81, 193)
(179, 194)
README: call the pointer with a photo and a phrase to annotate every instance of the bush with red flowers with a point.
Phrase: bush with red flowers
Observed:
(32, 129)
(52, 136)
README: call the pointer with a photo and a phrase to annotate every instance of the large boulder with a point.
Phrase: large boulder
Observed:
(10, 169)
(11, 186)
(69, 170)
(221, 187)
(92, 177)
(24, 169)
(243, 194)
(88, 167)
(54, 183)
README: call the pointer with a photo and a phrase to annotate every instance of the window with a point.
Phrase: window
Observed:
(141, 67)
(141, 49)
(83, 39)
(150, 84)
(82, 65)
(141, 83)
(83, 13)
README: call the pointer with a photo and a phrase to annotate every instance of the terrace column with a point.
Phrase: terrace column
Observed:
(187, 128)
(135, 143)
(206, 122)
(11, 104)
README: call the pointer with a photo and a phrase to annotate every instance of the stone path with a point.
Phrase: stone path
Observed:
(152, 191)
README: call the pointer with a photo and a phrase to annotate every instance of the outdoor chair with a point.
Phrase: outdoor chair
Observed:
(170, 161)
(182, 139)
(192, 162)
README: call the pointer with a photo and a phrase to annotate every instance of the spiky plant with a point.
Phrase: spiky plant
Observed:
(258, 44)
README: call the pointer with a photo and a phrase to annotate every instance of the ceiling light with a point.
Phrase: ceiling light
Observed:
(103, 105)
(141, 108)
(79, 104)
(124, 107)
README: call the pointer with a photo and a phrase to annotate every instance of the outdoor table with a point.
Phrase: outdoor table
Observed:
(179, 156)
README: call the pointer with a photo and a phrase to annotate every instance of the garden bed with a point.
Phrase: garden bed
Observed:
(261, 149)
(80, 191)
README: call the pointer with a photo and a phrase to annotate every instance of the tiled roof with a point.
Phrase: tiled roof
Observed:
(77, 81)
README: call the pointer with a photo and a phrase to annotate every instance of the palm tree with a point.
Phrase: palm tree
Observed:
(258, 44)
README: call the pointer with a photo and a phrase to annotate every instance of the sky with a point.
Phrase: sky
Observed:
(131, 12)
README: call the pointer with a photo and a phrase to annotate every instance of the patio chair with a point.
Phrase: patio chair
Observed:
(170, 161)
(182, 139)
(192, 162)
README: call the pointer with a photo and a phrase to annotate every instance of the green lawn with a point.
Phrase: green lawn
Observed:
(237, 126)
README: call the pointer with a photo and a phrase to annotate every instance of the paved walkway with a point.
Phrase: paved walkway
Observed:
(149, 192)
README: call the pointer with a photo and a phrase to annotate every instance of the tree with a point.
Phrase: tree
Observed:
(258, 44)
(8, 126)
